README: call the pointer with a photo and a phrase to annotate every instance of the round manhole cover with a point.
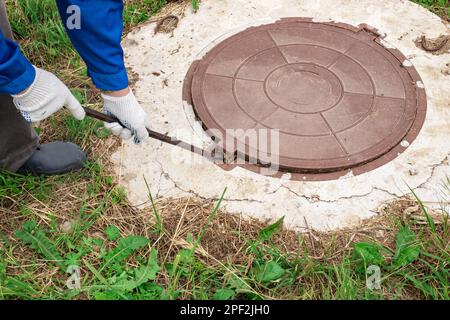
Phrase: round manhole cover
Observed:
(339, 99)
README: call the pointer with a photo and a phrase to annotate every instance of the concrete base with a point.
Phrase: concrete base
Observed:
(162, 60)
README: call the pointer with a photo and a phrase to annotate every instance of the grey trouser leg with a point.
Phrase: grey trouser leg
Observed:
(18, 140)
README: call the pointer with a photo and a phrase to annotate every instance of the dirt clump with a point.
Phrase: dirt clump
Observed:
(167, 24)
(436, 46)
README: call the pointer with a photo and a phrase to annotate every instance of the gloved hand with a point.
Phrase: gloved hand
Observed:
(130, 114)
(46, 95)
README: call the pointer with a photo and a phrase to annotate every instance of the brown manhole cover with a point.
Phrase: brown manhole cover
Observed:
(340, 99)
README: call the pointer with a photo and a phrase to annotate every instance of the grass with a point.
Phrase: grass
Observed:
(128, 254)
(440, 7)
(53, 227)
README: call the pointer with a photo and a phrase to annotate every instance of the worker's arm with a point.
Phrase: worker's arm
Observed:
(16, 72)
(37, 93)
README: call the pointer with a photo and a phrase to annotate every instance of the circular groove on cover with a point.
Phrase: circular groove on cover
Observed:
(340, 99)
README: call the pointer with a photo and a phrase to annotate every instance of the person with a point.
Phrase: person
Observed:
(30, 94)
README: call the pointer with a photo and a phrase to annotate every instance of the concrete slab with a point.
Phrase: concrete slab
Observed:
(162, 60)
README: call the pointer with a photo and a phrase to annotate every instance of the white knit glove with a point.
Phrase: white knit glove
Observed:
(129, 112)
(46, 95)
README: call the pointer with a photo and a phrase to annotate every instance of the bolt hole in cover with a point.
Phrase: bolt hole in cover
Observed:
(343, 103)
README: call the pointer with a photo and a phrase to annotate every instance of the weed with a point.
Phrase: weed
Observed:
(195, 4)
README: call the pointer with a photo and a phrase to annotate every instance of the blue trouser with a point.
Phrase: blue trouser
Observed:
(95, 29)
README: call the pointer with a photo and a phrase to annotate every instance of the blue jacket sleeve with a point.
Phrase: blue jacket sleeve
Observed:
(16, 72)
(97, 39)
